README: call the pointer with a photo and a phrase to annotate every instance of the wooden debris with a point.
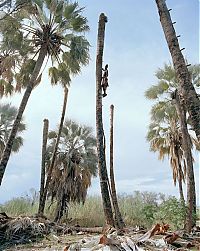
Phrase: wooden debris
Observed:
(23, 230)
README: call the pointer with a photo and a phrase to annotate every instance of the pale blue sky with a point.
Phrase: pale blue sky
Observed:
(135, 48)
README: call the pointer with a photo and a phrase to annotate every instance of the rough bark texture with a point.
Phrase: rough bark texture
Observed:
(7, 150)
(54, 151)
(60, 207)
(187, 145)
(42, 181)
(118, 217)
(186, 88)
(180, 186)
(103, 175)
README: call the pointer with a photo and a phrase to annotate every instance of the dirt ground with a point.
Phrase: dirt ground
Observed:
(50, 243)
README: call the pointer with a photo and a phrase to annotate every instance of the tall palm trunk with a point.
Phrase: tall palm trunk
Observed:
(7, 150)
(44, 145)
(103, 175)
(118, 217)
(185, 86)
(54, 151)
(187, 145)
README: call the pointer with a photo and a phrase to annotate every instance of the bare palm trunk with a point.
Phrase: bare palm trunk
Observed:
(118, 217)
(7, 150)
(187, 145)
(44, 145)
(54, 151)
(60, 207)
(103, 175)
(185, 86)
(180, 186)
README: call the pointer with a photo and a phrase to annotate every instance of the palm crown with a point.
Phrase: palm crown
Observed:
(52, 25)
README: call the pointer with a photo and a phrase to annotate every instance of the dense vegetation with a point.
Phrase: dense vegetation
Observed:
(139, 209)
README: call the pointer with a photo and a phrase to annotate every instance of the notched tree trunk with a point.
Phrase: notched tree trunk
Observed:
(186, 88)
(103, 175)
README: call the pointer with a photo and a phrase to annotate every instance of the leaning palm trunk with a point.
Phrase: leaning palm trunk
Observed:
(44, 145)
(7, 150)
(54, 151)
(187, 145)
(185, 86)
(99, 125)
(118, 217)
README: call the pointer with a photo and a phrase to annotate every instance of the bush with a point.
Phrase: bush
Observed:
(172, 212)
(141, 209)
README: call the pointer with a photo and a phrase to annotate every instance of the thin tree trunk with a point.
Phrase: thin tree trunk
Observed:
(185, 86)
(180, 186)
(54, 151)
(118, 217)
(7, 150)
(103, 175)
(44, 145)
(60, 207)
(187, 145)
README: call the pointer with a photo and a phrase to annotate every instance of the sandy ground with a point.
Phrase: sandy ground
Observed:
(50, 243)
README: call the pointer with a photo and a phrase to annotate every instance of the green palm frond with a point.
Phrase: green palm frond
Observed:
(57, 23)
(7, 117)
(76, 162)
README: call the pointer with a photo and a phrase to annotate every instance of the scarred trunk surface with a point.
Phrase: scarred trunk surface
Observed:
(103, 175)
(185, 86)
(7, 150)
(118, 217)
(54, 151)
(191, 193)
(44, 145)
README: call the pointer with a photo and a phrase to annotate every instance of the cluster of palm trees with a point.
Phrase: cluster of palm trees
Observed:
(165, 134)
(38, 31)
(32, 35)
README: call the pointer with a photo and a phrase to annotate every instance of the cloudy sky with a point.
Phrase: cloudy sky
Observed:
(135, 48)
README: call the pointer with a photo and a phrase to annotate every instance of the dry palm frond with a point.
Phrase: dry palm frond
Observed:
(24, 224)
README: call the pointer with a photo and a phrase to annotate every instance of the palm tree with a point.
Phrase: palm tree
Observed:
(75, 164)
(187, 145)
(103, 175)
(54, 32)
(7, 116)
(80, 57)
(165, 137)
(185, 87)
(162, 92)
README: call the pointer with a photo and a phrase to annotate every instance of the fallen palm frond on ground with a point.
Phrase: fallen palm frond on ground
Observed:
(137, 240)
(22, 230)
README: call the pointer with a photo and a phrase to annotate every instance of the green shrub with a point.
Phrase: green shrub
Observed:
(172, 212)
